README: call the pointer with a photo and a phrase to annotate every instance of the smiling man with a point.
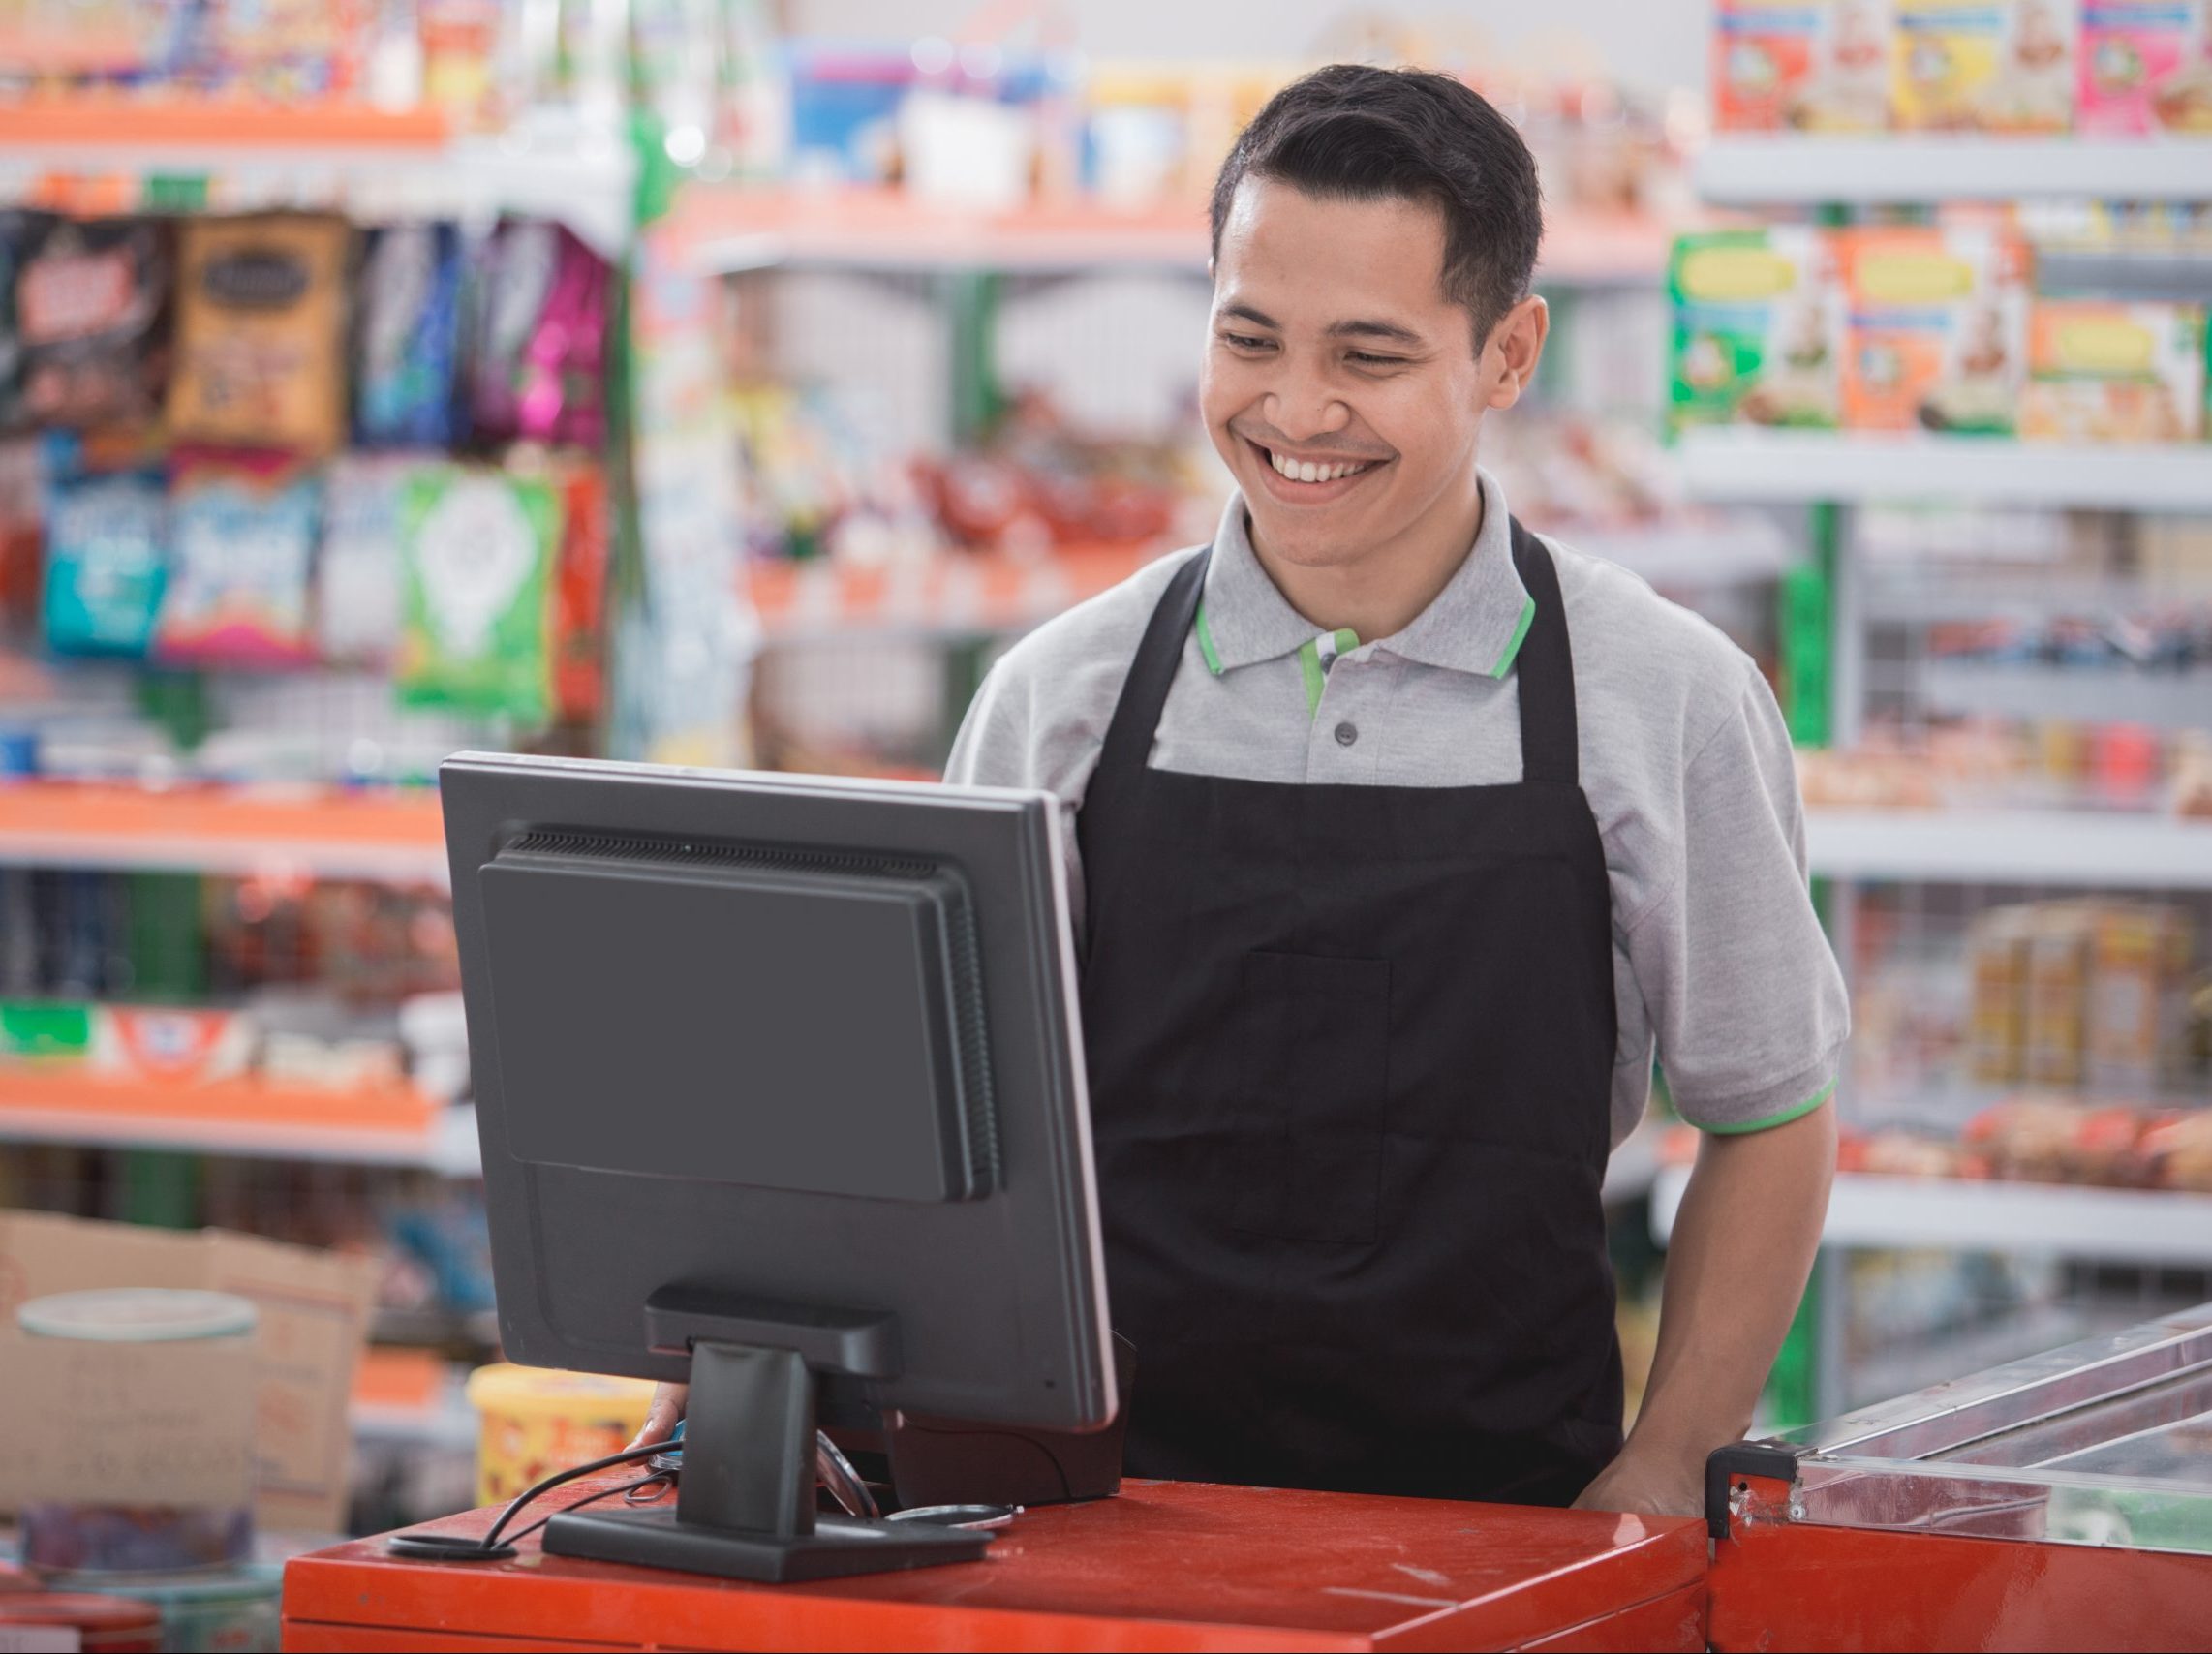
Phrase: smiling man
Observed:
(1404, 839)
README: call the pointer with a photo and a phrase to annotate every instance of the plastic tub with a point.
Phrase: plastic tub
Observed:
(76, 1538)
(237, 1611)
(111, 1625)
(535, 1420)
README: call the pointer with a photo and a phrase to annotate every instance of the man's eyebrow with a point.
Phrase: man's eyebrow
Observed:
(1390, 331)
(1246, 313)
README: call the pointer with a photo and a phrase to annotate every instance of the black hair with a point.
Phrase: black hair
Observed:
(1358, 133)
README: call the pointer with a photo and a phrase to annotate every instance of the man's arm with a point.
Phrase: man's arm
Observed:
(1737, 1265)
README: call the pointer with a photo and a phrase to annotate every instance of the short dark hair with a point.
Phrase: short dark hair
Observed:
(1358, 133)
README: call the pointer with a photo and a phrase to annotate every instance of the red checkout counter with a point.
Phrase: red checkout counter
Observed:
(2064, 1501)
(1164, 1565)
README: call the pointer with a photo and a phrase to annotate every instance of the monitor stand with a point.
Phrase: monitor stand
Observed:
(745, 1498)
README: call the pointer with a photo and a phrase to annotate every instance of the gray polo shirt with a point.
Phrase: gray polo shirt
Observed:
(1720, 966)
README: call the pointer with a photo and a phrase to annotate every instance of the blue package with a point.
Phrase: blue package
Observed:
(410, 338)
(106, 562)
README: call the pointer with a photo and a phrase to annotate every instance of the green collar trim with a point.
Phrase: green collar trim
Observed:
(1206, 643)
(1513, 644)
(1316, 670)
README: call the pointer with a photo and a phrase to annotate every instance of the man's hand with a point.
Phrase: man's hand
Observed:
(1649, 1484)
(661, 1418)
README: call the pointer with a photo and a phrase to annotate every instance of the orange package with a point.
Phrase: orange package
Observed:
(1936, 335)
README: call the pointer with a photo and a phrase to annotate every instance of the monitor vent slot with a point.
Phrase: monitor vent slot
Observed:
(678, 853)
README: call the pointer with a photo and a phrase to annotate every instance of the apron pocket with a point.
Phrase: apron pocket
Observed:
(1316, 1037)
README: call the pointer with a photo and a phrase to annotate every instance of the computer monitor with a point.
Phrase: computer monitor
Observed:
(780, 1083)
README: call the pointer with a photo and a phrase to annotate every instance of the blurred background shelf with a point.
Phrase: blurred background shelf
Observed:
(1795, 467)
(244, 1118)
(1792, 169)
(2182, 278)
(2011, 847)
(2163, 700)
(397, 836)
(2118, 1226)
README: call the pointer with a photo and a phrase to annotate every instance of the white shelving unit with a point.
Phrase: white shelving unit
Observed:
(2092, 1225)
(1793, 467)
(1874, 171)
(2162, 701)
(2011, 847)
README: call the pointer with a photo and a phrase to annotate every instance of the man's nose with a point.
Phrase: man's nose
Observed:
(1302, 405)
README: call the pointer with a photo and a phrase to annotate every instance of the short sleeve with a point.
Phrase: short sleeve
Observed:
(1741, 986)
(999, 744)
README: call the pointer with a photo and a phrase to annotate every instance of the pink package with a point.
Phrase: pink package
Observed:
(2145, 67)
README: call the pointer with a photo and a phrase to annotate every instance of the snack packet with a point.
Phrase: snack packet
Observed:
(538, 359)
(260, 338)
(579, 595)
(1983, 65)
(1757, 332)
(358, 572)
(1801, 65)
(409, 298)
(243, 528)
(87, 298)
(2145, 66)
(105, 531)
(478, 546)
(2104, 372)
(1937, 328)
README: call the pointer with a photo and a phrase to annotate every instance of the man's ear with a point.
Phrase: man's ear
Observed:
(1515, 348)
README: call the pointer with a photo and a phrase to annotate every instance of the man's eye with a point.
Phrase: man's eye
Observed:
(1245, 341)
(1368, 360)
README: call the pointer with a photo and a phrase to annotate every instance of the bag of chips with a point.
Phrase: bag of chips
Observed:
(261, 337)
(538, 369)
(357, 596)
(105, 528)
(409, 298)
(241, 544)
(87, 298)
(477, 547)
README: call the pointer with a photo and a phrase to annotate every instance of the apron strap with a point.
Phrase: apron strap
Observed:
(1144, 693)
(1544, 669)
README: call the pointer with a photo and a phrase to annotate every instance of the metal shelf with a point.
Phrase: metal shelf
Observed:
(2116, 1226)
(2183, 277)
(1894, 169)
(2168, 700)
(2011, 847)
(1799, 467)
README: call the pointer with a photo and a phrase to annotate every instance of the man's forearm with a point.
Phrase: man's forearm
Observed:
(1736, 1265)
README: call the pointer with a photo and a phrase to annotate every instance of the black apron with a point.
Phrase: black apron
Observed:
(1351, 1056)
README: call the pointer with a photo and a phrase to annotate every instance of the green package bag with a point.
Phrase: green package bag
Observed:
(478, 548)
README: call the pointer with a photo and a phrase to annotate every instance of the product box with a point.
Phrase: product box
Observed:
(314, 1320)
(1801, 65)
(2145, 66)
(2101, 372)
(1983, 65)
(478, 548)
(2060, 941)
(1757, 332)
(2138, 1004)
(261, 331)
(1936, 330)
(170, 1044)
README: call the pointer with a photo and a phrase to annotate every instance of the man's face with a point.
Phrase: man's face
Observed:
(1335, 355)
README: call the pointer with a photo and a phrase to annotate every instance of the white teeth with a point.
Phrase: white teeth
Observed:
(1307, 471)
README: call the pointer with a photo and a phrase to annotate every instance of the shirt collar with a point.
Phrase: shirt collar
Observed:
(1475, 625)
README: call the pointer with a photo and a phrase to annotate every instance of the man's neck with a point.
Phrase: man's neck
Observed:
(1381, 593)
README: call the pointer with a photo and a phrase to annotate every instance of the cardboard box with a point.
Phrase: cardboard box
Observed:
(2105, 372)
(1938, 328)
(2146, 67)
(1801, 66)
(1984, 64)
(1758, 328)
(314, 1321)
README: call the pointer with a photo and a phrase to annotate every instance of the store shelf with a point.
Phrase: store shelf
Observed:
(1923, 598)
(2182, 278)
(1731, 550)
(2116, 1226)
(727, 230)
(397, 836)
(2011, 847)
(1775, 467)
(120, 155)
(959, 592)
(1787, 170)
(2169, 700)
(240, 1118)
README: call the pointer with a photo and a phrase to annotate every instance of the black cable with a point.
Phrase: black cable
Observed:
(629, 1456)
(523, 1533)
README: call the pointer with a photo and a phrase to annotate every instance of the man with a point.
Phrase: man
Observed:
(1404, 836)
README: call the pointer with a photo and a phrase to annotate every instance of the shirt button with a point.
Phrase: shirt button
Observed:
(1346, 734)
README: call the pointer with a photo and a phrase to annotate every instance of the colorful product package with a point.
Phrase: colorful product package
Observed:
(1983, 65)
(1937, 330)
(170, 1044)
(260, 334)
(580, 596)
(410, 299)
(2145, 67)
(88, 299)
(2104, 372)
(243, 527)
(357, 574)
(1757, 332)
(106, 533)
(538, 361)
(1801, 65)
(288, 48)
(478, 548)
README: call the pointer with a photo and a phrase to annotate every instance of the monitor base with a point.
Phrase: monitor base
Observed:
(837, 1547)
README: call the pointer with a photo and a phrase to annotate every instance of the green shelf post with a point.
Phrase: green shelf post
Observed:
(971, 306)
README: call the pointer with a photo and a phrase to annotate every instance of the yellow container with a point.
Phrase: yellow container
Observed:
(536, 1421)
